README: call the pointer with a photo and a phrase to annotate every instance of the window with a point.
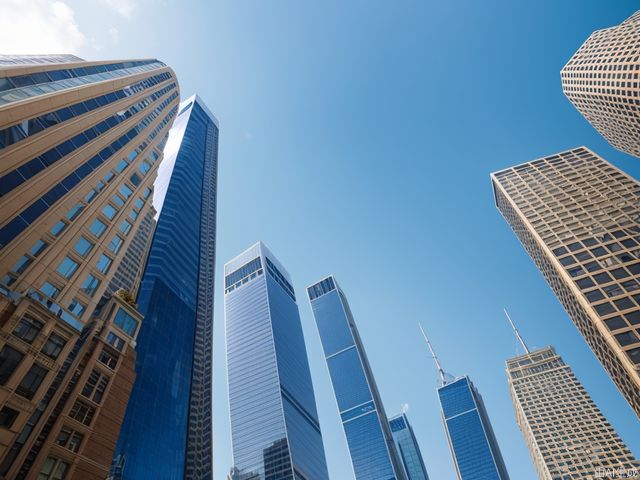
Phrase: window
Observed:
(90, 196)
(115, 244)
(83, 246)
(108, 358)
(53, 469)
(139, 203)
(22, 264)
(145, 167)
(75, 211)
(118, 201)
(28, 329)
(115, 341)
(10, 358)
(125, 227)
(49, 290)
(90, 285)
(70, 439)
(97, 227)
(95, 386)
(38, 248)
(76, 307)
(126, 322)
(57, 228)
(104, 263)
(133, 215)
(8, 416)
(125, 191)
(82, 412)
(67, 267)
(31, 381)
(54, 345)
(109, 212)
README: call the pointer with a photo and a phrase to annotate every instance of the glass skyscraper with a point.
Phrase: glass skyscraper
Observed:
(274, 422)
(167, 429)
(474, 448)
(373, 453)
(408, 448)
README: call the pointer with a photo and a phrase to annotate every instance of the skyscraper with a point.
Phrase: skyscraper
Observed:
(601, 81)
(80, 143)
(373, 453)
(408, 448)
(567, 435)
(167, 429)
(274, 423)
(577, 217)
(474, 448)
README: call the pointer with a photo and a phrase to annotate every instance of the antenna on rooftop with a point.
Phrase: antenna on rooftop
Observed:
(443, 375)
(516, 332)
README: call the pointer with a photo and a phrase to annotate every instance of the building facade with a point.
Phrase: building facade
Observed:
(408, 448)
(275, 431)
(167, 432)
(577, 217)
(601, 81)
(80, 144)
(475, 450)
(371, 446)
(567, 435)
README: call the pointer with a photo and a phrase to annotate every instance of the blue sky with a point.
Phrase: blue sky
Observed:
(357, 139)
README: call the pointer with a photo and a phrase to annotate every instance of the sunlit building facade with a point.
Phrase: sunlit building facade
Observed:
(578, 218)
(167, 432)
(80, 143)
(371, 445)
(275, 430)
(408, 448)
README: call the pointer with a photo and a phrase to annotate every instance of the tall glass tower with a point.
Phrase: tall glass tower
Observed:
(167, 429)
(474, 448)
(408, 448)
(373, 453)
(274, 422)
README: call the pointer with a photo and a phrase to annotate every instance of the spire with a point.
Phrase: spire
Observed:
(516, 332)
(434, 356)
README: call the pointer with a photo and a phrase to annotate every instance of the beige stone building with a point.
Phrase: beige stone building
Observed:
(80, 143)
(601, 81)
(578, 217)
(566, 434)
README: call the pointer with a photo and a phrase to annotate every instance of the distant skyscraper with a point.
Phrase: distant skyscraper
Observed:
(373, 453)
(578, 218)
(275, 431)
(567, 435)
(408, 448)
(474, 448)
(80, 143)
(601, 80)
(167, 429)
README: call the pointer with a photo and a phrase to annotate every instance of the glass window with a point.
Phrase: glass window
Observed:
(83, 246)
(90, 196)
(97, 227)
(57, 228)
(126, 322)
(145, 167)
(125, 191)
(75, 211)
(10, 358)
(69, 439)
(95, 386)
(49, 290)
(76, 307)
(115, 244)
(53, 469)
(104, 263)
(67, 267)
(139, 203)
(28, 329)
(38, 248)
(90, 285)
(125, 227)
(8, 416)
(118, 201)
(21, 265)
(31, 381)
(82, 412)
(115, 341)
(54, 345)
(109, 211)
(133, 215)
(108, 358)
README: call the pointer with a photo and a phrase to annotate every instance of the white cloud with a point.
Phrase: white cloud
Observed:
(122, 7)
(39, 27)
(114, 34)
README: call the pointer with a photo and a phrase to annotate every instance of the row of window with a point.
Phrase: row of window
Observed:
(17, 177)
(28, 127)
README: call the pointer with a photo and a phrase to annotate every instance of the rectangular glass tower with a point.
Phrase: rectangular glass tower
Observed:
(473, 445)
(567, 435)
(408, 448)
(274, 422)
(373, 453)
(167, 429)
(578, 218)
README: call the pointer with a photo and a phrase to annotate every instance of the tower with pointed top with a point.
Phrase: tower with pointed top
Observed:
(474, 448)
(566, 433)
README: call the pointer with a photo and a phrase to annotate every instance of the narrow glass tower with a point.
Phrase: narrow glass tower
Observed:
(274, 422)
(373, 453)
(408, 448)
(474, 448)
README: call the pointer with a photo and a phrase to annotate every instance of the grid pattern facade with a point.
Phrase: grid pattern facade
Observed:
(601, 81)
(408, 448)
(567, 435)
(578, 218)
(275, 431)
(371, 444)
